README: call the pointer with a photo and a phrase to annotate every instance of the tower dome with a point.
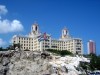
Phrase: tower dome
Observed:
(65, 33)
(35, 29)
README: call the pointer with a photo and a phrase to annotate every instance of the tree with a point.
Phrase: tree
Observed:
(94, 62)
(17, 45)
(60, 52)
(1, 48)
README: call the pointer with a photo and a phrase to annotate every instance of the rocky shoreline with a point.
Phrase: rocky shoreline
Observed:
(33, 63)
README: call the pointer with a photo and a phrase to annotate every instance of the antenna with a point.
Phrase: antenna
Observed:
(35, 22)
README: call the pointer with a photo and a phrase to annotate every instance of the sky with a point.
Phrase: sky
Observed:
(80, 17)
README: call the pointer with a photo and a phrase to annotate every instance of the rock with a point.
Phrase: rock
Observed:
(1, 72)
(5, 61)
(16, 56)
(3, 69)
(35, 63)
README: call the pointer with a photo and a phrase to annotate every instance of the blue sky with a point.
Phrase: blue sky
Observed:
(80, 17)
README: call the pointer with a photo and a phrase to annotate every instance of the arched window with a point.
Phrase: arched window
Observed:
(36, 28)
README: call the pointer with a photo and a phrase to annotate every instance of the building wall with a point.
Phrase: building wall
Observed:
(72, 45)
(91, 47)
(25, 42)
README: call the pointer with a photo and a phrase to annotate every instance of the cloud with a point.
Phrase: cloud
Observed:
(7, 26)
(3, 10)
(2, 42)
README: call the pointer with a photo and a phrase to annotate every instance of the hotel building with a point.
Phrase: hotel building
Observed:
(37, 41)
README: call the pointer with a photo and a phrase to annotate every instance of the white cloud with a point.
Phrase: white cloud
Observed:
(2, 42)
(3, 9)
(7, 26)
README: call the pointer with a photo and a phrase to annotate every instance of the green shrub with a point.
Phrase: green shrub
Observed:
(60, 52)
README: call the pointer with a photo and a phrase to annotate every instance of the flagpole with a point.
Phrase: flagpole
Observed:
(42, 40)
(44, 45)
(41, 46)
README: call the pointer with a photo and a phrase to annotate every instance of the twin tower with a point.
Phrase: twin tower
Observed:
(35, 31)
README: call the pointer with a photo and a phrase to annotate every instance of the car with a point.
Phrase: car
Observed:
(94, 73)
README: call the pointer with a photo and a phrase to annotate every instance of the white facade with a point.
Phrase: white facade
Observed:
(39, 42)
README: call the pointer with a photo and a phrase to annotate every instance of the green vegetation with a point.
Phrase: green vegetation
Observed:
(11, 47)
(2, 49)
(17, 45)
(60, 52)
(85, 66)
(94, 63)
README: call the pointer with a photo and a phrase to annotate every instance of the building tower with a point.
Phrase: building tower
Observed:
(34, 29)
(91, 47)
(65, 33)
